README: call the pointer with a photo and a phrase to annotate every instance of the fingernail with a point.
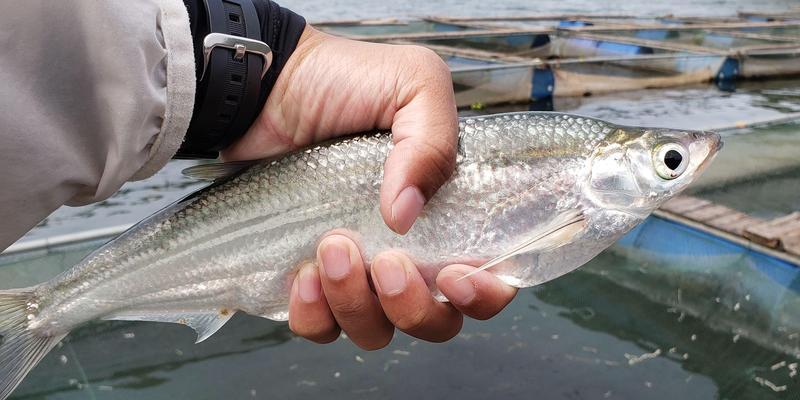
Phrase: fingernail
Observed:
(335, 260)
(460, 291)
(308, 285)
(391, 276)
(406, 208)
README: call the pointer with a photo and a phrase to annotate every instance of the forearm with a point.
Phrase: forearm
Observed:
(106, 94)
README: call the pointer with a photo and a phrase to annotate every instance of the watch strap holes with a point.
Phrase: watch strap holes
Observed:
(232, 99)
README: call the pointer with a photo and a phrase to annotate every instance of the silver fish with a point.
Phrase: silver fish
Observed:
(533, 196)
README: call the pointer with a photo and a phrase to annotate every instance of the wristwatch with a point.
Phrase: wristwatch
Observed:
(235, 68)
(234, 61)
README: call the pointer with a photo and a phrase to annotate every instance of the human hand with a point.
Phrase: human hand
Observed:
(332, 86)
(335, 294)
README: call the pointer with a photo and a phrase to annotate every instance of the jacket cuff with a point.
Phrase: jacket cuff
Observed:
(180, 76)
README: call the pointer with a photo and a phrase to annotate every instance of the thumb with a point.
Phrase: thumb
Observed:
(425, 135)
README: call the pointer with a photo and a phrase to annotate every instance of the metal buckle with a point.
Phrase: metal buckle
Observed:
(240, 46)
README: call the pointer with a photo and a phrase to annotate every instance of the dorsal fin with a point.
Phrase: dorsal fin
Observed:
(205, 323)
(214, 171)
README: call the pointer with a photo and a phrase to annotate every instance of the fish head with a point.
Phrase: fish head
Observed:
(635, 170)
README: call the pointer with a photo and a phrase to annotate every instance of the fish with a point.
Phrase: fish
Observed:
(533, 196)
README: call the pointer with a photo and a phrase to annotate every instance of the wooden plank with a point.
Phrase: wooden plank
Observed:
(470, 24)
(469, 53)
(451, 35)
(744, 50)
(514, 60)
(734, 223)
(339, 22)
(788, 224)
(778, 16)
(664, 44)
(791, 243)
(783, 225)
(705, 20)
(532, 17)
(656, 44)
(673, 27)
(683, 204)
(770, 233)
(708, 213)
(759, 36)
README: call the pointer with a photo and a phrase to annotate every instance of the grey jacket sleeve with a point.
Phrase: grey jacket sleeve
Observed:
(92, 94)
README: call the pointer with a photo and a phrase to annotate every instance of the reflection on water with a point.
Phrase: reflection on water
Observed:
(689, 318)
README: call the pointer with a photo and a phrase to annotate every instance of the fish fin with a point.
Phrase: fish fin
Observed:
(20, 348)
(205, 322)
(214, 171)
(555, 234)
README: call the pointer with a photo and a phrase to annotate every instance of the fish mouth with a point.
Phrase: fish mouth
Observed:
(714, 147)
(720, 144)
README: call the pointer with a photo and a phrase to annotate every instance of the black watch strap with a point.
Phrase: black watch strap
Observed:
(224, 107)
(233, 64)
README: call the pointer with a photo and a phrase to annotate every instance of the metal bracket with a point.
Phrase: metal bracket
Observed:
(240, 46)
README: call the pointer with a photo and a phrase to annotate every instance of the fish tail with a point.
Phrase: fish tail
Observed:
(20, 348)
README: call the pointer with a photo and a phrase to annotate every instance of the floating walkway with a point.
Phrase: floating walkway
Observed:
(521, 58)
(779, 237)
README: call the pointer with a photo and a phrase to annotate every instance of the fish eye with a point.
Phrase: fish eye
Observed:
(670, 160)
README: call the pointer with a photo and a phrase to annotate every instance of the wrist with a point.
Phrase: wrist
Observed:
(241, 47)
(309, 41)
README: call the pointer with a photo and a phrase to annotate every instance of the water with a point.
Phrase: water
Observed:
(697, 319)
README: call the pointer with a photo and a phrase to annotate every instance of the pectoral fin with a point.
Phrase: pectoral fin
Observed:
(214, 171)
(205, 323)
(556, 233)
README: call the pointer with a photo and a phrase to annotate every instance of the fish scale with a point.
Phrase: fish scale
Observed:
(533, 196)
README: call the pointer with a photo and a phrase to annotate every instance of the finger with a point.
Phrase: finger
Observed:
(425, 132)
(347, 290)
(407, 301)
(479, 296)
(309, 314)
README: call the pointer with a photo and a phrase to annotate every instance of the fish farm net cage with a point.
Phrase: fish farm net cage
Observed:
(497, 60)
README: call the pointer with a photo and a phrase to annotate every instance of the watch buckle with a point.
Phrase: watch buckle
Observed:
(240, 45)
